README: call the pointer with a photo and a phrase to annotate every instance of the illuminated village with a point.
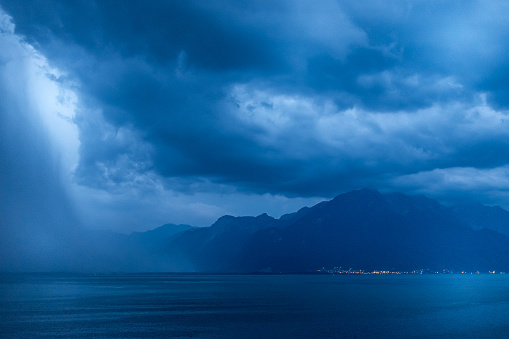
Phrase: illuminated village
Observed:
(351, 271)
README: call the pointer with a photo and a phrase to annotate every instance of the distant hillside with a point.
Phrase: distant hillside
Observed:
(136, 252)
(478, 217)
(360, 229)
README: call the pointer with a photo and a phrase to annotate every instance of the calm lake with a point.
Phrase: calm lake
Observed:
(259, 306)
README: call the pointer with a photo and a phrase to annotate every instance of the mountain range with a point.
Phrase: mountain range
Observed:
(361, 229)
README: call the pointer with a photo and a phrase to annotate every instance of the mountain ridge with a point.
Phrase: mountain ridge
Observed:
(362, 228)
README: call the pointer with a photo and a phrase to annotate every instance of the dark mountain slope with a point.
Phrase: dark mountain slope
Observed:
(478, 217)
(217, 248)
(360, 229)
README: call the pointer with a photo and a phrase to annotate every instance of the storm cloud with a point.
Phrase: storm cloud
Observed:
(270, 101)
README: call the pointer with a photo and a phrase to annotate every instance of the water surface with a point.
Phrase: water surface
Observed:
(243, 306)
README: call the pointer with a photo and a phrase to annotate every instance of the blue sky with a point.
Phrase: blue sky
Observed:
(138, 113)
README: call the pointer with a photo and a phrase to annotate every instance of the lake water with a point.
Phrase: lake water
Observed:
(260, 306)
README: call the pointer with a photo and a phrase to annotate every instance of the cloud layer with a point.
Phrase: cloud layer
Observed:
(281, 98)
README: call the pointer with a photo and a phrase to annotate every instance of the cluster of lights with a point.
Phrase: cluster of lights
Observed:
(340, 270)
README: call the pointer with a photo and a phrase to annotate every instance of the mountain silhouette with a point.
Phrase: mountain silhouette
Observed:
(361, 229)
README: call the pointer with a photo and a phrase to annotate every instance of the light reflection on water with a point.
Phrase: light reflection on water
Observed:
(159, 305)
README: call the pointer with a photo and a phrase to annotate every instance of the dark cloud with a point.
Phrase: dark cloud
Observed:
(212, 37)
(284, 97)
